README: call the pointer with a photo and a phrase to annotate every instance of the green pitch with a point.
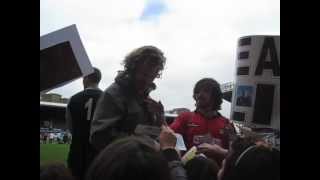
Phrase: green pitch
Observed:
(53, 153)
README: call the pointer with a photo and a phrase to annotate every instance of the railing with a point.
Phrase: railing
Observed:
(226, 87)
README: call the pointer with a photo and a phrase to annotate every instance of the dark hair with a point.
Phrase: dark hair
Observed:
(149, 54)
(129, 158)
(94, 77)
(216, 91)
(55, 171)
(201, 168)
(250, 161)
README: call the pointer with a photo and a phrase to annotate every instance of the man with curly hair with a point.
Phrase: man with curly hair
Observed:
(126, 104)
(205, 125)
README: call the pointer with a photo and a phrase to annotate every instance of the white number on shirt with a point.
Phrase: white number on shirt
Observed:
(88, 105)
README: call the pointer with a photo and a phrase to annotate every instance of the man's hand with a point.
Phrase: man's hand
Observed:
(156, 110)
(212, 150)
(153, 106)
(167, 138)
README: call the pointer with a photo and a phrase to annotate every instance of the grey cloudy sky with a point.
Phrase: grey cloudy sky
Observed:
(199, 37)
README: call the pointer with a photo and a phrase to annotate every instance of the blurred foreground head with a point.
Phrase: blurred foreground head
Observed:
(251, 160)
(129, 158)
(201, 168)
(55, 171)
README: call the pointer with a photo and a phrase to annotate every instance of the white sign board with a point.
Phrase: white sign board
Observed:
(180, 143)
(62, 58)
(256, 95)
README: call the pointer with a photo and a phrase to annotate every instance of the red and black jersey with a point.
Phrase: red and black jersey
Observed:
(193, 126)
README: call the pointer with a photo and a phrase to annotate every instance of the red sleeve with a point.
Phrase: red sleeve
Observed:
(180, 123)
(231, 126)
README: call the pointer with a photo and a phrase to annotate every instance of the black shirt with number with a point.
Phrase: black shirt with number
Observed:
(81, 107)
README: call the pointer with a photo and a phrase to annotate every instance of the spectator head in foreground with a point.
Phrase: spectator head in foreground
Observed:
(251, 160)
(129, 158)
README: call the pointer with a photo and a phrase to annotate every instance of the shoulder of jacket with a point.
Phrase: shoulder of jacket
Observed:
(76, 97)
(116, 93)
(114, 88)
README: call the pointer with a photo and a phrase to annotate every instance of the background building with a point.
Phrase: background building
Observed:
(52, 111)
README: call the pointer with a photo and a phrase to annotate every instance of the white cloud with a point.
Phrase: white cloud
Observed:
(199, 38)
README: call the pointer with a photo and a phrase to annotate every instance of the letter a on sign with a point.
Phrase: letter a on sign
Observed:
(268, 46)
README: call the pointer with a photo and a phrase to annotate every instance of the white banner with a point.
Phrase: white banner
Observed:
(62, 58)
(256, 95)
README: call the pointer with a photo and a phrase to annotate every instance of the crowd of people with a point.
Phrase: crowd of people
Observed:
(55, 138)
(121, 132)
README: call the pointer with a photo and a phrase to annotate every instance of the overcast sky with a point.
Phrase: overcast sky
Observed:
(199, 38)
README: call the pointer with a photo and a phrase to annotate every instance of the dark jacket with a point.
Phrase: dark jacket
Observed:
(117, 114)
(79, 114)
